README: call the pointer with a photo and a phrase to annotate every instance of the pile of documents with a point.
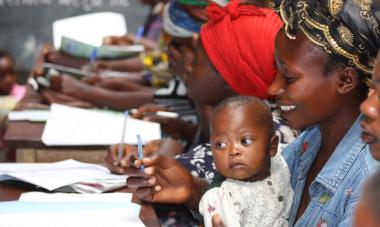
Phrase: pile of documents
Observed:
(64, 176)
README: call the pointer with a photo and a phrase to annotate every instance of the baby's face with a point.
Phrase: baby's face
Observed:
(7, 75)
(240, 146)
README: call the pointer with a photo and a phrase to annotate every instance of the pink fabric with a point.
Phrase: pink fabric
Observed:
(18, 91)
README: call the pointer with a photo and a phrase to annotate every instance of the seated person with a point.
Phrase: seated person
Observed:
(10, 94)
(368, 210)
(256, 188)
(319, 86)
(10, 91)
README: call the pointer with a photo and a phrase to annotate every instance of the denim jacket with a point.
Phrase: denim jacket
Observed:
(337, 187)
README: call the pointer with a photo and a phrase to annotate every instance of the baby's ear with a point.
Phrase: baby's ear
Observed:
(273, 145)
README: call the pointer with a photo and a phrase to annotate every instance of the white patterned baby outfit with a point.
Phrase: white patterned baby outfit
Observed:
(264, 203)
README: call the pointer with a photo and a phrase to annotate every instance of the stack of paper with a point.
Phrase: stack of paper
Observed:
(67, 176)
(75, 126)
(85, 50)
(41, 209)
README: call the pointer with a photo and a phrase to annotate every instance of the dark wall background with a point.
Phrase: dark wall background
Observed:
(26, 24)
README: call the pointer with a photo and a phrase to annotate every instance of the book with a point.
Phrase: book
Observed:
(84, 50)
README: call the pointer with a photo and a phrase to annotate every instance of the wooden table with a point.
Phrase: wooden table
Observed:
(11, 190)
(26, 138)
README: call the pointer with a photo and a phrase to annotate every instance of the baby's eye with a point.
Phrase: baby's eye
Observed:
(220, 145)
(246, 141)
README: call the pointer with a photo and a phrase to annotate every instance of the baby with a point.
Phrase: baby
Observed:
(256, 190)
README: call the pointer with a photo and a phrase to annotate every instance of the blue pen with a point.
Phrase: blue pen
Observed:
(93, 58)
(139, 34)
(140, 150)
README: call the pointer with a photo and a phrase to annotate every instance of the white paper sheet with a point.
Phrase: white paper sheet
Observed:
(72, 213)
(89, 28)
(29, 115)
(75, 126)
(71, 197)
(52, 176)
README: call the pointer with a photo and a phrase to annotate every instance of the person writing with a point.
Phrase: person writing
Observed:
(220, 80)
(256, 188)
(319, 89)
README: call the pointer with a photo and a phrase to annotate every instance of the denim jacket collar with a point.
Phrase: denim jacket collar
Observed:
(346, 152)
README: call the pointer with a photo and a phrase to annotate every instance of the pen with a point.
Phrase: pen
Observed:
(158, 113)
(139, 34)
(92, 59)
(140, 150)
(121, 146)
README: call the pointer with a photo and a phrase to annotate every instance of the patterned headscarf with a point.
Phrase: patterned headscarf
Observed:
(194, 2)
(239, 41)
(177, 22)
(348, 29)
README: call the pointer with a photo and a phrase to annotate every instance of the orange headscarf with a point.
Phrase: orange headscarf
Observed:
(239, 40)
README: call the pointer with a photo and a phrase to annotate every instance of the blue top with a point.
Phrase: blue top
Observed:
(336, 189)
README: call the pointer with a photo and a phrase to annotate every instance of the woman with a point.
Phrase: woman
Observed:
(256, 71)
(319, 88)
(371, 109)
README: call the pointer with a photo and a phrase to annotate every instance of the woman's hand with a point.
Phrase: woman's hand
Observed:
(125, 163)
(163, 180)
(130, 39)
(146, 109)
(174, 127)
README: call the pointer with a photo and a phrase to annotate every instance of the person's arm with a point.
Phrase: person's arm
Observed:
(176, 127)
(199, 187)
(165, 180)
(134, 64)
(119, 100)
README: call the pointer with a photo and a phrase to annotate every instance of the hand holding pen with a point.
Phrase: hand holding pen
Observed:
(92, 60)
(139, 34)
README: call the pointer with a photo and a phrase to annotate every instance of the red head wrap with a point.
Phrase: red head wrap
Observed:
(239, 40)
